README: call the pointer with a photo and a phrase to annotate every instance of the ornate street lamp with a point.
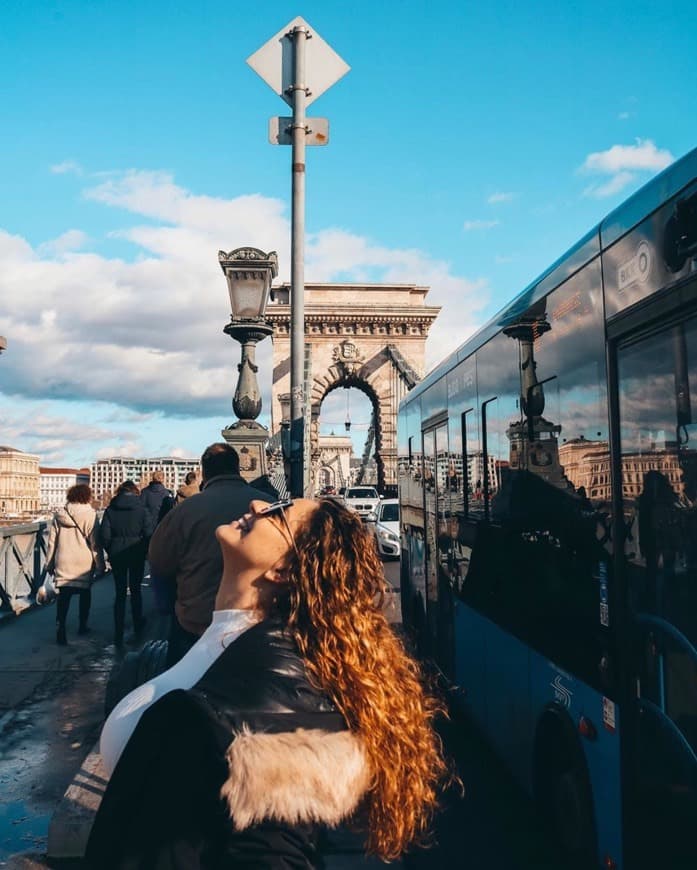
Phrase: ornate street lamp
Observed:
(249, 273)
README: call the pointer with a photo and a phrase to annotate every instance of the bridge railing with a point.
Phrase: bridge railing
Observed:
(22, 565)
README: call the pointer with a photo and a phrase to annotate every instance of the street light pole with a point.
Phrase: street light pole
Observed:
(299, 36)
(298, 81)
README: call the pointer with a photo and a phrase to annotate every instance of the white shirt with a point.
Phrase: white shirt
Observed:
(226, 627)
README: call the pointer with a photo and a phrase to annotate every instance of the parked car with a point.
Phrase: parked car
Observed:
(384, 521)
(362, 499)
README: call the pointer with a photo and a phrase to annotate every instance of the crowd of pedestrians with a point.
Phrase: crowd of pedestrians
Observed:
(288, 704)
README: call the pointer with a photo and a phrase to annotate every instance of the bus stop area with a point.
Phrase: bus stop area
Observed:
(51, 780)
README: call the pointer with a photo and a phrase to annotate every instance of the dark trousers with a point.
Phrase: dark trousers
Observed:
(127, 575)
(65, 595)
(179, 642)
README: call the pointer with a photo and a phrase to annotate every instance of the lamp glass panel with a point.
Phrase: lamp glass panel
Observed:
(247, 297)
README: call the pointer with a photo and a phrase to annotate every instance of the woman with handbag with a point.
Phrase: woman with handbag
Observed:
(73, 556)
(298, 709)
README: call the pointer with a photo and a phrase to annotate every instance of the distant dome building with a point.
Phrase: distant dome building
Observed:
(19, 483)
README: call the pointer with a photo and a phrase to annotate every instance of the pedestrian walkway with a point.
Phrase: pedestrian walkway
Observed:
(51, 711)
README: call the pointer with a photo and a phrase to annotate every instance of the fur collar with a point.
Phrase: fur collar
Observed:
(295, 777)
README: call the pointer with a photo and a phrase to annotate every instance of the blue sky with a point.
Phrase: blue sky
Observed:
(469, 148)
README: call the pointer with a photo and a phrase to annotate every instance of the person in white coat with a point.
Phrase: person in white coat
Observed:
(73, 556)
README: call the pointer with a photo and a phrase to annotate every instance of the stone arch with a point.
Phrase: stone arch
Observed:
(337, 377)
(368, 336)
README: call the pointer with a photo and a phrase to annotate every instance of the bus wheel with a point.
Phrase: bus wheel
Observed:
(570, 810)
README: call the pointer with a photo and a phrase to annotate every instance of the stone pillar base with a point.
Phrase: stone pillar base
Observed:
(249, 440)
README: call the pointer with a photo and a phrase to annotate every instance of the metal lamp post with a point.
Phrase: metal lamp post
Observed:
(249, 273)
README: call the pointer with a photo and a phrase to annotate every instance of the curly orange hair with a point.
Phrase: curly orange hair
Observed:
(336, 594)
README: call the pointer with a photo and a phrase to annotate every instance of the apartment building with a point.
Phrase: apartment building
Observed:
(108, 474)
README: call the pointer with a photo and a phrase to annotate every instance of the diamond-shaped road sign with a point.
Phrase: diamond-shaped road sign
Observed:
(274, 63)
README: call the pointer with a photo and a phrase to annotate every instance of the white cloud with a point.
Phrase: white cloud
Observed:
(617, 183)
(500, 196)
(622, 162)
(125, 448)
(479, 225)
(35, 429)
(146, 334)
(67, 167)
(642, 156)
(71, 240)
(623, 116)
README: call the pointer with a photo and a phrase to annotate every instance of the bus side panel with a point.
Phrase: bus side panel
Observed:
(470, 663)
(508, 699)
(492, 687)
(552, 686)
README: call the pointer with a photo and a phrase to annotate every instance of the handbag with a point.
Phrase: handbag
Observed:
(47, 592)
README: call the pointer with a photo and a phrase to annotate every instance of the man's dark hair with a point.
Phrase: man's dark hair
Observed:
(219, 458)
(128, 486)
(190, 477)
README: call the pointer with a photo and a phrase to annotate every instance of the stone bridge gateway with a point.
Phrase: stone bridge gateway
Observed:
(368, 336)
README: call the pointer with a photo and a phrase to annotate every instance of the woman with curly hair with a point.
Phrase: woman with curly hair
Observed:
(298, 709)
(73, 556)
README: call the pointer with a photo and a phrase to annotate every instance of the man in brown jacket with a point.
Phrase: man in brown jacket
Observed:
(189, 487)
(184, 548)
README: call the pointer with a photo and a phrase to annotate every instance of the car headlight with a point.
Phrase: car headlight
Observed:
(386, 535)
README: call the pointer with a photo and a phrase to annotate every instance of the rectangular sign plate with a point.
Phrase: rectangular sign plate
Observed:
(280, 131)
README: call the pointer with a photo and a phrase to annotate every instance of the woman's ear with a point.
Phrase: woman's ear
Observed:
(276, 574)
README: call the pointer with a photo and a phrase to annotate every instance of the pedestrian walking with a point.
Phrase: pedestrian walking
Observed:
(184, 553)
(73, 557)
(157, 500)
(189, 487)
(299, 708)
(123, 535)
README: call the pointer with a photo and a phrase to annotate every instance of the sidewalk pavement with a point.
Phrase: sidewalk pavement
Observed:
(51, 711)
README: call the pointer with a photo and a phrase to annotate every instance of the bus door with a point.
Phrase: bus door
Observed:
(657, 403)
(435, 469)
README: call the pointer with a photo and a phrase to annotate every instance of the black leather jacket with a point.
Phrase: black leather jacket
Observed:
(240, 771)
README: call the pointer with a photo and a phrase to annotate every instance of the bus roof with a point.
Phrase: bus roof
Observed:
(617, 223)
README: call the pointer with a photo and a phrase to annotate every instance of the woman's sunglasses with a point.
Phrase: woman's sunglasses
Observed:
(279, 508)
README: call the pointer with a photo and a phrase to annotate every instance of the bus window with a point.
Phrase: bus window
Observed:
(497, 407)
(437, 518)
(463, 444)
(498, 388)
(657, 379)
(552, 599)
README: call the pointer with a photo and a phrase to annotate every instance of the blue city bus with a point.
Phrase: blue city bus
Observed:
(548, 494)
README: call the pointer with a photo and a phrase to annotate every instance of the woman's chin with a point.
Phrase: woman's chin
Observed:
(228, 535)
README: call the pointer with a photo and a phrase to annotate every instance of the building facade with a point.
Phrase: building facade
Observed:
(108, 474)
(334, 461)
(54, 484)
(587, 464)
(19, 483)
